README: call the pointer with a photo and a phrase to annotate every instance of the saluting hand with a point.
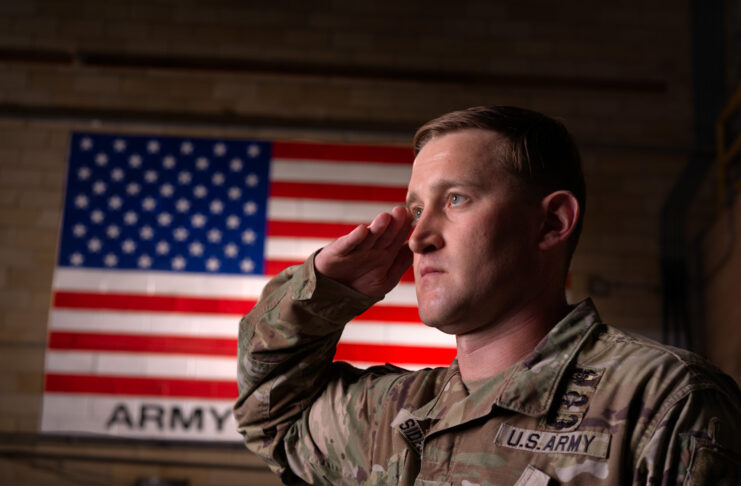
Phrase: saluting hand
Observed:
(371, 258)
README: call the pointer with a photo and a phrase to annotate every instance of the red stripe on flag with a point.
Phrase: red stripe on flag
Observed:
(338, 192)
(142, 343)
(156, 387)
(132, 343)
(160, 303)
(378, 353)
(390, 313)
(336, 152)
(408, 275)
(274, 267)
(157, 303)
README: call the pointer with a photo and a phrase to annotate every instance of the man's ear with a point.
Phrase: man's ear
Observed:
(561, 213)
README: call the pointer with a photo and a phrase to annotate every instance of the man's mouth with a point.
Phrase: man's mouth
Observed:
(427, 270)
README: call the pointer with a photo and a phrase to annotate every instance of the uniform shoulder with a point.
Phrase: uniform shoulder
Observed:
(637, 356)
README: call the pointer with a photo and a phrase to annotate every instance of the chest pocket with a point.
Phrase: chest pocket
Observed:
(533, 476)
(391, 473)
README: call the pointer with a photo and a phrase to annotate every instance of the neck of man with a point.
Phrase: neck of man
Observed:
(491, 349)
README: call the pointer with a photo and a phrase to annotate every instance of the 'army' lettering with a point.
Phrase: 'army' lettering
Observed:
(595, 444)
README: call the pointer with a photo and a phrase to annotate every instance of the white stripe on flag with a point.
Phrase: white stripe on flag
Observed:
(140, 323)
(158, 283)
(164, 283)
(141, 364)
(283, 248)
(365, 173)
(143, 323)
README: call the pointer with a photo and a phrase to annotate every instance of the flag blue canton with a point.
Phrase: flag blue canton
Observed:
(166, 204)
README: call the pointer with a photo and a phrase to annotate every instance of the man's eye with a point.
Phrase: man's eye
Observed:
(456, 199)
(416, 212)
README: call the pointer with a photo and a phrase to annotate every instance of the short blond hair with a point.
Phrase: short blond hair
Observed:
(541, 153)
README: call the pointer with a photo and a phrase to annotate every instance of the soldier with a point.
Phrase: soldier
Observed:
(540, 392)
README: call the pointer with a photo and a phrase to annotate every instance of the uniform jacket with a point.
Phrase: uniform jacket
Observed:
(591, 405)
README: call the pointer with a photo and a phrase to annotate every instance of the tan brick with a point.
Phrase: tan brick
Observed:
(45, 259)
(35, 318)
(34, 238)
(7, 469)
(80, 28)
(59, 142)
(40, 300)
(235, 89)
(37, 26)
(18, 218)
(16, 299)
(27, 403)
(174, 86)
(35, 199)
(9, 198)
(23, 336)
(49, 219)
(23, 137)
(51, 80)
(17, 257)
(18, 9)
(12, 80)
(39, 278)
(126, 30)
(162, 31)
(29, 383)
(54, 181)
(308, 39)
(22, 358)
(8, 381)
(97, 83)
(236, 478)
(9, 157)
(15, 177)
(40, 158)
(30, 424)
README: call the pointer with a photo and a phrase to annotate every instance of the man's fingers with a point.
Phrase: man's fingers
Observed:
(401, 263)
(377, 228)
(399, 223)
(347, 244)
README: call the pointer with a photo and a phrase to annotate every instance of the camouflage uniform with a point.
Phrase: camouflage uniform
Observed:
(589, 406)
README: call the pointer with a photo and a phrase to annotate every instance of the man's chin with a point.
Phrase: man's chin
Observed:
(437, 319)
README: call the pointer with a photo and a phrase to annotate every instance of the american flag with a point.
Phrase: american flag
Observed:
(166, 242)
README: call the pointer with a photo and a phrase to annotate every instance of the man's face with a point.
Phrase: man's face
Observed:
(475, 238)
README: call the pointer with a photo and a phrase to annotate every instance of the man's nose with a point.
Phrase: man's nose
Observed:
(426, 236)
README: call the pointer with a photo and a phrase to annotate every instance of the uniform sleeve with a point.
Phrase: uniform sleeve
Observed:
(697, 441)
(293, 401)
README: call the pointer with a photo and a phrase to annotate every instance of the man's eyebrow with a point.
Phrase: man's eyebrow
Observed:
(444, 185)
(411, 197)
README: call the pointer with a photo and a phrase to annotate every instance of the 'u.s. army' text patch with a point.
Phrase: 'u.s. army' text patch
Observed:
(595, 444)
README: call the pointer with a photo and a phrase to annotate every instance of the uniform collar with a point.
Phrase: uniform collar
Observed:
(527, 387)
(531, 385)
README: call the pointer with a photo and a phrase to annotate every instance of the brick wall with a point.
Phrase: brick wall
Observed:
(618, 74)
(721, 257)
